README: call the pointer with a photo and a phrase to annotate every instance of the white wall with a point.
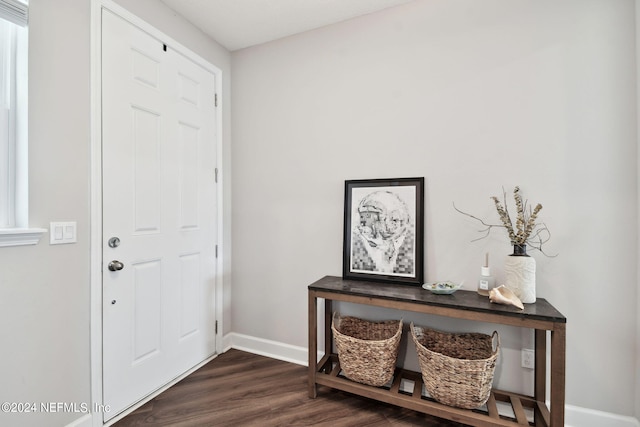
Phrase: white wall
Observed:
(45, 290)
(473, 96)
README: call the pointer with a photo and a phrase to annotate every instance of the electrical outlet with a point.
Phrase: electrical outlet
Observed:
(528, 358)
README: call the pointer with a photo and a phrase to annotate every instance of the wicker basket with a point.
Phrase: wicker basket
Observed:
(367, 350)
(457, 369)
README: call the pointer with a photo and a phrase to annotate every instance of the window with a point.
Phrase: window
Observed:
(14, 228)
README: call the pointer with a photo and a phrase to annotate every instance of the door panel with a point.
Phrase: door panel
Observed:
(147, 169)
(147, 310)
(189, 294)
(189, 185)
(159, 199)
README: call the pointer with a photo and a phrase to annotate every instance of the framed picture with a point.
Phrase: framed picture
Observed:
(384, 230)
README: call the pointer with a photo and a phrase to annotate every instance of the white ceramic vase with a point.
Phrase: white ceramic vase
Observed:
(520, 272)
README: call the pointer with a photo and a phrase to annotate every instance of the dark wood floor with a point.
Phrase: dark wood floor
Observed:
(244, 389)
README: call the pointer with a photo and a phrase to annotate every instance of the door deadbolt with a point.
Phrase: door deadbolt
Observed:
(114, 242)
(115, 265)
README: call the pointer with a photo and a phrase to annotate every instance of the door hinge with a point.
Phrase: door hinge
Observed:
(216, 251)
(216, 172)
(215, 100)
(216, 332)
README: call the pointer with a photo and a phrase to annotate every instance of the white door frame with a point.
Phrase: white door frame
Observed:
(96, 193)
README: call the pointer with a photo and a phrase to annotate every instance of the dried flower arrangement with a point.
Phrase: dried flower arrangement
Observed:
(525, 231)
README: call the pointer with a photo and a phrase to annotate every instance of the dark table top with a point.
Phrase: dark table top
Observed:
(460, 300)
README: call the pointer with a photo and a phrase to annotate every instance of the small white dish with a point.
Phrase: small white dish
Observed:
(442, 288)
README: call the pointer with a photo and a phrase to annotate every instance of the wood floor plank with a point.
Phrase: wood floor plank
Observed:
(243, 389)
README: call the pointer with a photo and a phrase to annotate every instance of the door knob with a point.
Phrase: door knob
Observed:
(115, 265)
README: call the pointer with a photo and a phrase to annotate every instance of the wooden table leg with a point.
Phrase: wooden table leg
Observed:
(313, 344)
(540, 379)
(328, 333)
(558, 365)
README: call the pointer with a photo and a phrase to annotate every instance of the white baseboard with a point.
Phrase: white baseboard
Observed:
(226, 342)
(575, 416)
(84, 421)
(268, 348)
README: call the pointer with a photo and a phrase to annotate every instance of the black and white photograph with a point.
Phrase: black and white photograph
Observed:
(383, 230)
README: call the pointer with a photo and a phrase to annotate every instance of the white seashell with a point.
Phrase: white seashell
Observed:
(504, 295)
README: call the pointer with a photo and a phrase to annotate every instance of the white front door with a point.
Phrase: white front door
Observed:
(159, 213)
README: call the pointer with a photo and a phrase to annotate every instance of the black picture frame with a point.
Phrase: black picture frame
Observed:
(384, 230)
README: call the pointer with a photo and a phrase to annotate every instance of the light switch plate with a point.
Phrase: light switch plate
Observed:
(61, 233)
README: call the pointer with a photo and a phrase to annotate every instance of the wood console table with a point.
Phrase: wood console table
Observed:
(540, 316)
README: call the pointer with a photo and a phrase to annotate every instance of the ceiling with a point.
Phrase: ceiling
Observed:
(237, 24)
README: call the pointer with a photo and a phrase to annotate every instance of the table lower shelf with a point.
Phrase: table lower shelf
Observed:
(406, 390)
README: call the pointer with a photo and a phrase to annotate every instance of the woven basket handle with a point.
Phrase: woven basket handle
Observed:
(495, 338)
